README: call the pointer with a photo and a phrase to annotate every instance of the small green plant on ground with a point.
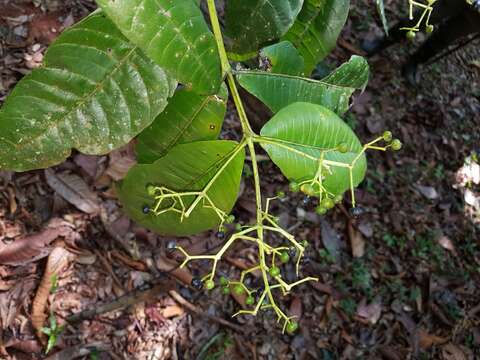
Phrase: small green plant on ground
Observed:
(53, 332)
(155, 70)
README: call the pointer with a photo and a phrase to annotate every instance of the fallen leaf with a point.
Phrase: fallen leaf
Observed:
(121, 160)
(357, 241)
(447, 244)
(428, 340)
(72, 188)
(370, 312)
(33, 247)
(331, 240)
(296, 308)
(427, 191)
(170, 266)
(453, 352)
(11, 301)
(57, 260)
(172, 311)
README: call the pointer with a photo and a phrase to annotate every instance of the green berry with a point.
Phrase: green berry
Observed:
(284, 257)
(223, 281)
(342, 147)
(249, 300)
(396, 145)
(151, 190)
(209, 284)
(387, 136)
(238, 227)
(304, 243)
(308, 189)
(230, 219)
(411, 35)
(294, 187)
(292, 326)
(338, 198)
(280, 194)
(238, 289)
(328, 203)
(321, 210)
(429, 29)
(226, 290)
(274, 271)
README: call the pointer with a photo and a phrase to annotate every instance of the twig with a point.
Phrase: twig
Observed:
(178, 298)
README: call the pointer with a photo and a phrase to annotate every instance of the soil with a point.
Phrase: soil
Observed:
(400, 282)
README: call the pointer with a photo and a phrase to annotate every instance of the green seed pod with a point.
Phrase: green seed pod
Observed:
(274, 271)
(284, 257)
(249, 300)
(387, 136)
(396, 145)
(294, 187)
(292, 326)
(209, 284)
(342, 147)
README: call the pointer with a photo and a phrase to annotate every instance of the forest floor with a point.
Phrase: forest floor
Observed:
(401, 282)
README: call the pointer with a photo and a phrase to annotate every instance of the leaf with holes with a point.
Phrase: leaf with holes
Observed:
(283, 58)
(278, 90)
(175, 35)
(311, 129)
(251, 23)
(186, 167)
(316, 29)
(353, 73)
(188, 117)
(94, 93)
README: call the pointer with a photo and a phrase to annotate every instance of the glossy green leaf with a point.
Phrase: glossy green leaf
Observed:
(283, 58)
(311, 129)
(278, 91)
(316, 29)
(174, 34)
(251, 23)
(188, 117)
(353, 73)
(186, 167)
(94, 92)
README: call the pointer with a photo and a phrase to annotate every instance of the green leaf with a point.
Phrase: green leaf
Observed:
(251, 23)
(94, 92)
(188, 117)
(283, 58)
(316, 29)
(175, 35)
(186, 167)
(311, 129)
(353, 73)
(278, 91)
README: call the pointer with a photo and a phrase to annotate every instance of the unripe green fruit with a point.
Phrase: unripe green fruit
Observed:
(280, 194)
(342, 147)
(238, 289)
(338, 198)
(274, 271)
(294, 186)
(308, 189)
(328, 203)
(292, 326)
(396, 145)
(429, 29)
(387, 136)
(209, 284)
(230, 219)
(284, 257)
(223, 281)
(321, 210)
(151, 190)
(226, 290)
(411, 35)
(249, 300)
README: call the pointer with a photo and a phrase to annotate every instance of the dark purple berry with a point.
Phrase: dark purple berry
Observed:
(146, 209)
(220, 235)
(197, 283)
(357, 211)
(171, 245)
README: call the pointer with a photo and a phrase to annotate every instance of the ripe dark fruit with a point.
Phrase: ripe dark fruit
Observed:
(396, 145)
(321, 210)
(220, 235)
(171, 245)
(249, 300)
(292, 252)
(357, 211)
(197, 283)
(238, 289)
(284, 257)
(292, 326)
(306, 200)
(294, 186)
(387, 136)
(274, 271)
(209, 284)
(342, 147)
(146, 209)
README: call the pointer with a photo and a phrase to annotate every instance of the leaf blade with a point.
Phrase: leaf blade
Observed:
(284, 58)
(63, 105)
(354, 73)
